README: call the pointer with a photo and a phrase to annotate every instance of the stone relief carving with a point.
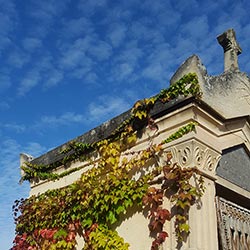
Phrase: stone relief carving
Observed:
(193, 153)
(233, 224)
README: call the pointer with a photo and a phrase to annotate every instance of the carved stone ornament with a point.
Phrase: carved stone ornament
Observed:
(233, 224)
(231, 49)
(195, 154)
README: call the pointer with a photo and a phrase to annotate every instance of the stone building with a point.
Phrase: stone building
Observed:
(219, 147)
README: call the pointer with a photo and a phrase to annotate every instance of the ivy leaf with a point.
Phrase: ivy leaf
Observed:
(184, 228)
(128, 203)
(162, 236)
(87, 223)
(163, 214)
(61, 233)
(111, 217)
(120, 209)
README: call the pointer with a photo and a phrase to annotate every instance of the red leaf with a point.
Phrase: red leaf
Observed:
(163, 235)
(164, 214)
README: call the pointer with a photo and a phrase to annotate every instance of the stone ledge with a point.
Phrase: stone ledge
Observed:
(105, 130)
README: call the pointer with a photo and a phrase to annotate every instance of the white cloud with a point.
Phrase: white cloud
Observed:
(83, 69)
(34, 148)
(159, 62)
(6, 24)
(64, 119)
(197, 28)
(131, 53)
(100, 50)
(126, 63)
(91, 77)
(89, 7)
(7, 21)
(73, 55)
(77, 28)
(184, 47)
(29, 82)
(154, 71)
(183, 5)
(8, 6)
(45, 10)
(79, 57)
(157, 7)
(139, 30)
(18, 128)
(168, 17)
(31, 43)
(4, 42)
(4, 105)
(5, 82)
(117, 34)
(45, 63)
(161, 53)
(42, 72)
(18, 59)
(54, 77)
(43, 14)
(106, 107)
(122, 71)
(72, 58)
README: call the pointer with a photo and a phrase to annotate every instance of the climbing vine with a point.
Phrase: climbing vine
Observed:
(115, 182)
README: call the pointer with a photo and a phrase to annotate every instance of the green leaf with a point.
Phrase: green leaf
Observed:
(61, 233)
(111, 217)
(128, 203)
(120, 209)
(184, 227)
(87, 223)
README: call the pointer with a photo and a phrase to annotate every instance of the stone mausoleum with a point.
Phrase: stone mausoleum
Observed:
(219, 147)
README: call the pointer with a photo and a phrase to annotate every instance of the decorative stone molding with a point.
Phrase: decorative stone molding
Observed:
(233, 224)
(195, 154)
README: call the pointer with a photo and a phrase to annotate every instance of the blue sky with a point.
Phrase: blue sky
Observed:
(69, 65)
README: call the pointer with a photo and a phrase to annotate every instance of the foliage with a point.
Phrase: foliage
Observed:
(187, 85)
(102, 238)
(176, 185)
(181, 132)
(90, 206)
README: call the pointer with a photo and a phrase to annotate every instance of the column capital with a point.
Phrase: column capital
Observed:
(193, 153)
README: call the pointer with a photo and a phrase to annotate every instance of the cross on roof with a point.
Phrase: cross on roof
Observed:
(231, 49)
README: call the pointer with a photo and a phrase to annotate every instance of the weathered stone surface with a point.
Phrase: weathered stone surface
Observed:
(228, 94)
(192, 65)
(234, 166)
(96, 134)
(231, 50)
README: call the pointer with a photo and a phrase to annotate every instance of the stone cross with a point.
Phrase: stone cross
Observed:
(231, 50)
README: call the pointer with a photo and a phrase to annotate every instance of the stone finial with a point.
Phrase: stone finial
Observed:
(25, 158)
(231, 49)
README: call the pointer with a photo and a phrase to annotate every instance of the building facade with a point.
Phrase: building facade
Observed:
(219, 148)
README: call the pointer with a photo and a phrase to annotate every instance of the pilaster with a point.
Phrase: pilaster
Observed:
(202, 216)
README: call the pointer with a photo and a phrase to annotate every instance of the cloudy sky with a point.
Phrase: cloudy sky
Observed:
(69, 65)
